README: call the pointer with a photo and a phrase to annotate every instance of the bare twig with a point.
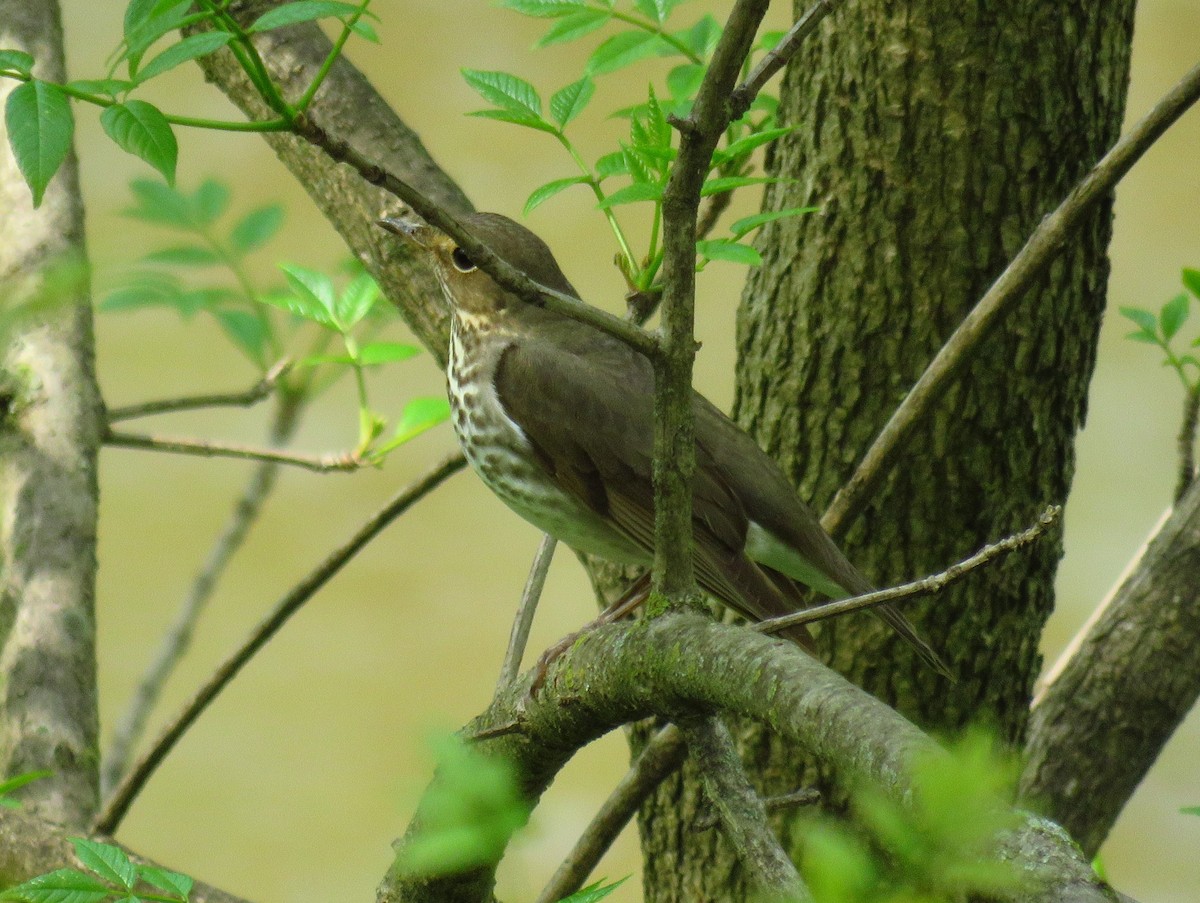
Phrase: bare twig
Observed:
(320, 463)
(251, 396)
(741, 812)
(1043, 245)
(175, 642)
(519, 636)
(664, 752)
(1187, 442)
(934, 583)
(743, 95)
(117, 805)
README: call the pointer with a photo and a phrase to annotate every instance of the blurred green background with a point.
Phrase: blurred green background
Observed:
(293, 785)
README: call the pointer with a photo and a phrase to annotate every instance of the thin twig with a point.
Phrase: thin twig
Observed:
(320, 463)
(741, 812)
(132, 723)
(743, 95)
(926, 586)
(660, 757)
(519, 636)
(1043, 245)
(1187, 442)
(251, 396)
(117, 805)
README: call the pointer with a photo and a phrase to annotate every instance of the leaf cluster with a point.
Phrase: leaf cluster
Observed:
(637, 171)
(1163, 329)
(38, 113)
(110, 876)
(265, 324)
(940, 848)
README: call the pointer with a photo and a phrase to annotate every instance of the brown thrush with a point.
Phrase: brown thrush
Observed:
(556, 416)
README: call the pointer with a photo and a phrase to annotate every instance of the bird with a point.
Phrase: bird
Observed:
(556, 417)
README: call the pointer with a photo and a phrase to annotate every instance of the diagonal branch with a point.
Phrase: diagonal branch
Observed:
(1043, 245)
(252, 396)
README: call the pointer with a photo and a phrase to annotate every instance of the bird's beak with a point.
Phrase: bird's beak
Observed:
(417, 233)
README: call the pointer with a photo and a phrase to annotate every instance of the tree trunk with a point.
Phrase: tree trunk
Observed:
(934, 136)
(50, 427)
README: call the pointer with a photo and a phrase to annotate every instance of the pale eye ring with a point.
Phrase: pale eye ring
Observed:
(461, 261)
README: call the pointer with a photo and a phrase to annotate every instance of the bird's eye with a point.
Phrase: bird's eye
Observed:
(462, 262)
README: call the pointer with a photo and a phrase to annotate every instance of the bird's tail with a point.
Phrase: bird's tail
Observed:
(905, 629)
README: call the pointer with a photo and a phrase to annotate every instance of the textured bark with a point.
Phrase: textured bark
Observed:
(934, 135)
(1102, 722)
(50, 425)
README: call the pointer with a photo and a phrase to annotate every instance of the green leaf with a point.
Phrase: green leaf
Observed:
(107, 861)
(1173, 315)
(314, 294)
(506, 91)
(256, 228)
(385, 353)
(146, 290)
(702, 37)
(301, 11)
(525, 119)
(185, 256)
(624, 49)
(549, 190)
(640, 166)
(684, 81)
(1142, 318)
(1191, 281)
(419, 415)
(748, 224)
(356, 301)
(1148, 337)
(769, 40)
(59, 886)
(108, 86)
(366, 31)
(246, 331)
(543, 9)
(167, 880)
(164, 17)
(142, 130)
(40, 126)
(729, 183)
(20, 780)
(593, 892)
(574, 26)
(743, 146)
(638, 191)
(658, 10)
(568, 102)
(190, 48)
(1190, 810)
(139, 11)
(16, 61)
(613, 164)
(209, 201)
(160, 204)
(724, 249)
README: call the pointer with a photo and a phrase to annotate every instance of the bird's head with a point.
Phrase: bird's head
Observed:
(470, 291)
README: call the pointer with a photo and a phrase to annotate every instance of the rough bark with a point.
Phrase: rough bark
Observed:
(50, 426)
(934, 136)
(1098, 727)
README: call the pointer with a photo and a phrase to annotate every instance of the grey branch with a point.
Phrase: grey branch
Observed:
(342, 462)
(926, 586)
(1043, 245)
(117, 805)
(519, 636)
(252, 396)
(744, 94)
(740, 810)
(1129, 680)
(682, 663)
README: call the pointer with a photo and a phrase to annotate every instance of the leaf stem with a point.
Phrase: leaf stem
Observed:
(347, 28)
(657, 29)
(594, 183)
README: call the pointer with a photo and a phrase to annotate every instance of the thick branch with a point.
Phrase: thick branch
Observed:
(1130, 679)
(683, 663)
(1043, 245)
